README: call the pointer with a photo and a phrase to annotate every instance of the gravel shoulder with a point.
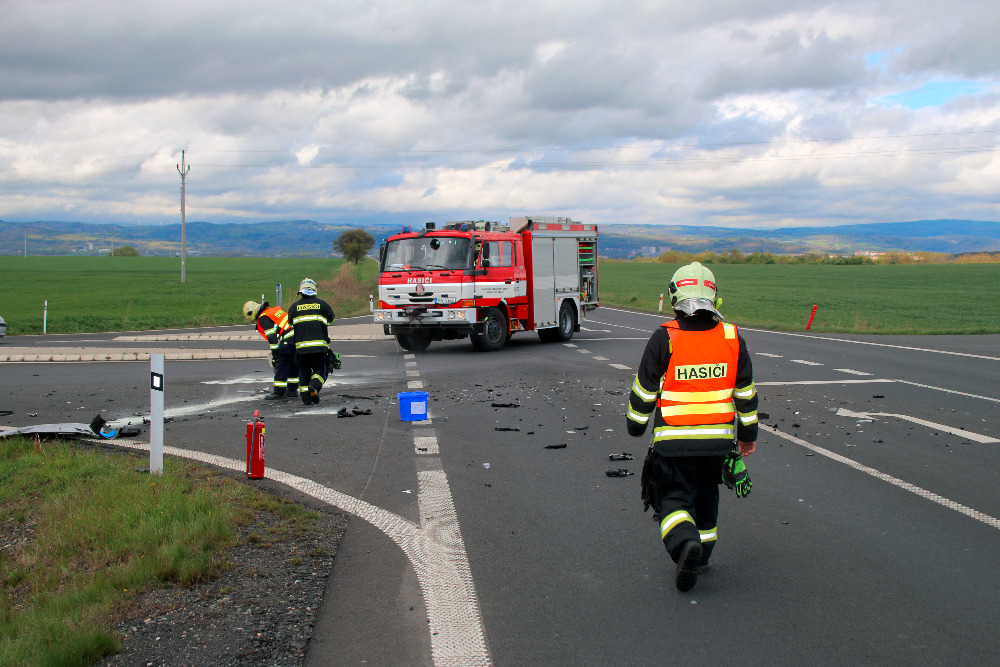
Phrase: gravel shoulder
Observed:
(260, 610)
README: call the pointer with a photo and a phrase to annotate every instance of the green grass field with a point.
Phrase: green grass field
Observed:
(87, 294)
(96, 534)
(892, 299)
(143, 293)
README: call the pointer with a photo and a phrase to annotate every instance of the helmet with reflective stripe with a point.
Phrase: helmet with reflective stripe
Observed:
(250, 310)
(692, 288)
(308, 287)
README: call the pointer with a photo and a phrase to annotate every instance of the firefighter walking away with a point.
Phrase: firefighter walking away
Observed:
(695, 381)
(310, 316)
(272, 324)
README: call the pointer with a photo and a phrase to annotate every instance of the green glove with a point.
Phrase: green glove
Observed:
(333, 358)
(735, 475)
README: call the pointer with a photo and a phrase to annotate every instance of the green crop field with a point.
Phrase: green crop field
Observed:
(87, 294)
(881, 299)
(143, 293)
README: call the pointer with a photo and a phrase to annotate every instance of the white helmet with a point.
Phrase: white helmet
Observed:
(693, 288)
(308, 287)
(250, 309)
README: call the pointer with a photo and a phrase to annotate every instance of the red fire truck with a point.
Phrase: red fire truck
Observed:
(487, 281)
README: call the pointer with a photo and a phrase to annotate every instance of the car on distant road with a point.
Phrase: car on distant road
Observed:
(3, 328)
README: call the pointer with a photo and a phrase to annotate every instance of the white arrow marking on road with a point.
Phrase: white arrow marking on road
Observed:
(923, 422)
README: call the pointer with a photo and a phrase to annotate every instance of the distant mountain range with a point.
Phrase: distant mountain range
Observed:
(308, 238)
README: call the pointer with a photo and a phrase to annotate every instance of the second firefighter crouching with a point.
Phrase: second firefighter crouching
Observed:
(272, 324)
(695, 382)
(309, 318)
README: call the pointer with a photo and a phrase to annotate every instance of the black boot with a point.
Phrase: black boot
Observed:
(687, 565)
(275, 395)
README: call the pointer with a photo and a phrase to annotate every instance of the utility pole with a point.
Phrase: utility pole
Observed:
(183, 171)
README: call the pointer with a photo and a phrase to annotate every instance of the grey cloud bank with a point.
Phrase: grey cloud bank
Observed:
(738, 114)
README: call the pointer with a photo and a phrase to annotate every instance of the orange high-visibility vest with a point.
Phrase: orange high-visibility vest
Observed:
(698, 385)
(278, 316)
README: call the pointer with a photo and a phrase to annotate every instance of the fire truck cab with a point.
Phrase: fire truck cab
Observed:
(487, 281)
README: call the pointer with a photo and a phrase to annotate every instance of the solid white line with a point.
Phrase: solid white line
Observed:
(782, 384)
(950, 391)
(993, 522)
(968, 435)
(864, 342)
(839, 340)
(435, 550)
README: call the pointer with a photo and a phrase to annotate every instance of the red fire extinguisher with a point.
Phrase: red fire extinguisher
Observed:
(255, 447)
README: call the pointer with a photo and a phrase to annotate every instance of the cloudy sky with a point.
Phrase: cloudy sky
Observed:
(738, 113)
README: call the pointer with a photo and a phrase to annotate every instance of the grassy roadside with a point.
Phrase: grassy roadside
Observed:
(84, 534)
(873, 299)
(89, 294)
(141, 293)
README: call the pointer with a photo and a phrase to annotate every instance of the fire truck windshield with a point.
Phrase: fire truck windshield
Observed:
(427, 253)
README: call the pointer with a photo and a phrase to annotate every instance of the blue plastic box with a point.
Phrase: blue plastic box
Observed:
(412, 405)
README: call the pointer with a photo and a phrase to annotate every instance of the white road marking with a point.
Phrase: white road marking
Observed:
(768, 354)
(435, 549)
(600, 358)
(950, 391)
(595, 330)
(782, 384)
(569, 344)
(583, 351)
(991, 521)
(807, 363)
(426, 445)
(865, 342)
(414, 384)
(851, 371)
(969, 435)
(621, 367)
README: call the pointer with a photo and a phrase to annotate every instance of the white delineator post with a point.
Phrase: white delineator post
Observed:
(156, 414)
(45, 317)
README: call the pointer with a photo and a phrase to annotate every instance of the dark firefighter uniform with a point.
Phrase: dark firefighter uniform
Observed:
(309, 317)
(273, 325)
(695, 381)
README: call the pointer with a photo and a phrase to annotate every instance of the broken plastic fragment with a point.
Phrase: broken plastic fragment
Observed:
(624, 456)
(620, 472)
(559, 446)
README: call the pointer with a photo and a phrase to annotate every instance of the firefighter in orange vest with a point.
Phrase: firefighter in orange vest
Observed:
(695, 381)
(272, 323)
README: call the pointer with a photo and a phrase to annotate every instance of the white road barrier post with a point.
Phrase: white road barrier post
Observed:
(661, 303)
(45, 317)
(371, 303)
(277, 295)
(156, 414)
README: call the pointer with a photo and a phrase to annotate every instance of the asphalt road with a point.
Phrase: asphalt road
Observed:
(871, 535)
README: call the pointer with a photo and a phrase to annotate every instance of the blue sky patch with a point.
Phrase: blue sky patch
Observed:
(933, 94)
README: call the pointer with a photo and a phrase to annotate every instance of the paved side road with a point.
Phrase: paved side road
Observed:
(173, 345)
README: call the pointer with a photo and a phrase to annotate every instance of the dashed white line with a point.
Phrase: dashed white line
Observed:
(622, 367)
(807, 363)
(851, 371)
(768, 354)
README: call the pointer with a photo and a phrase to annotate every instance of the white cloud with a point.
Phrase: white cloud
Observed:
(749, 113)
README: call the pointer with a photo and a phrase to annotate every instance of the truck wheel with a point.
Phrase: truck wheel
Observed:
(413, 342)
(495, 331)
(567, 322)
